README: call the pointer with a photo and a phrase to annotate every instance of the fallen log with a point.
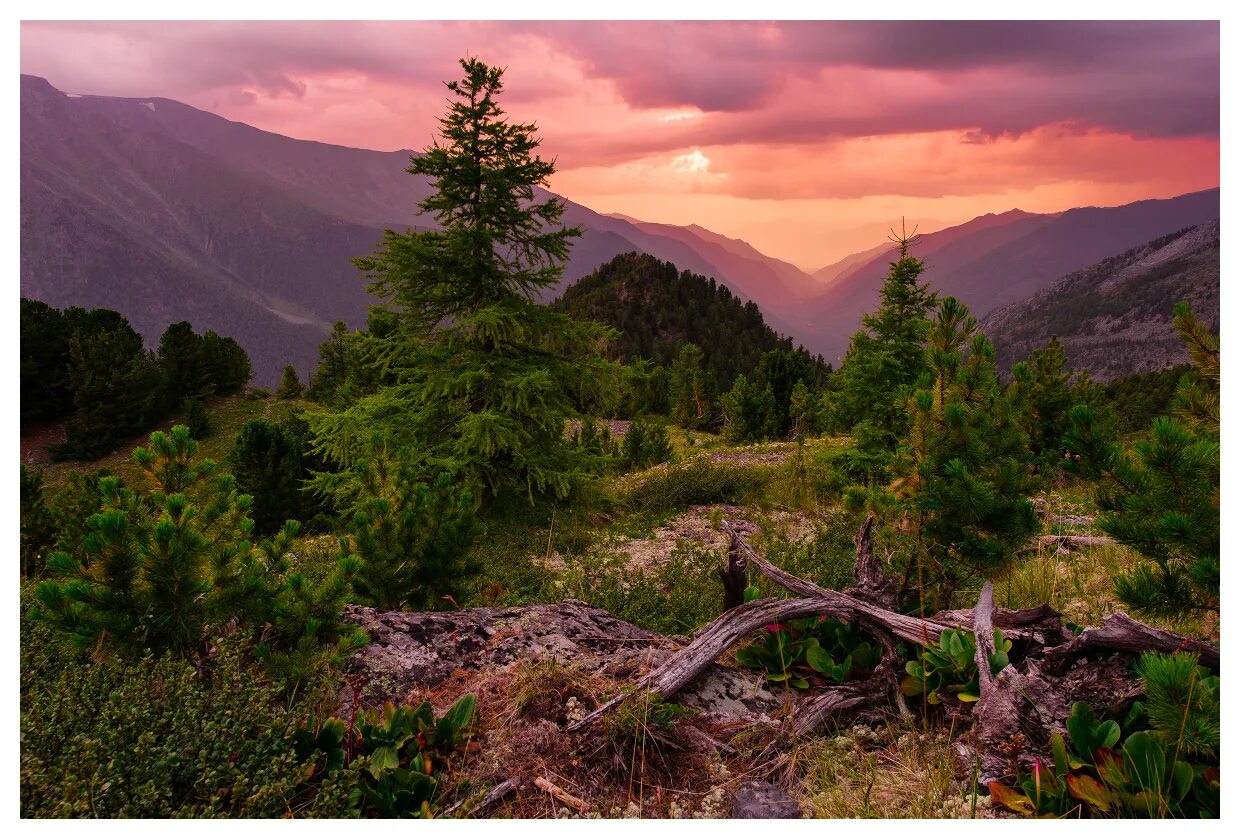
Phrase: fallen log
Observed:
(1055, 540)
(1018, 708)
(1121, 633)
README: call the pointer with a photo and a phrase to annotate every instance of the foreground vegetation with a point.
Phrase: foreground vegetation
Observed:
(185, 639)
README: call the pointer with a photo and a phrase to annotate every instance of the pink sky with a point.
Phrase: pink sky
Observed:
(806, 139)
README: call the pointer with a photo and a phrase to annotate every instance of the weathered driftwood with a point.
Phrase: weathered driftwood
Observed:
(1054, 540)
(489, 802)
(561, 796)
(1018, 708)
(1121, 633)
(734, 576)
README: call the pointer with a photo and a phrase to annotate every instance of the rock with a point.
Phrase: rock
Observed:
(413, 650)
(760, 800)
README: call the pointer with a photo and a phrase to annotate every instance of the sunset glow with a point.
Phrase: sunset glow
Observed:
(806, 139)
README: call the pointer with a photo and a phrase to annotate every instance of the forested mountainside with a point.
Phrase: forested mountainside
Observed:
(659, 308)
(168, 213)
(1114, 317)
(995, 260)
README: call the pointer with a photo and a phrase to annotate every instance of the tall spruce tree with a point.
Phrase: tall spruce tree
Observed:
(750, 412)
(886, 356)
(335, 363)
(45, 391)
(482, 378)
(962, 468)
(1161, 497)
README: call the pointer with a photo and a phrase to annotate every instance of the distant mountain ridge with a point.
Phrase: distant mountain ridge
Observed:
(166, 212)
(998, 259)
(1114, 317)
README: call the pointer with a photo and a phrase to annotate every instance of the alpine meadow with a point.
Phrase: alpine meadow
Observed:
(442, 484)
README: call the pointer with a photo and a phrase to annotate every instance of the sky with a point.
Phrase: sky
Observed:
(807, 139)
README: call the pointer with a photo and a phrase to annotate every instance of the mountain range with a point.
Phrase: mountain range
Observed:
(166, 212)
(994, 260)
(1114, 317)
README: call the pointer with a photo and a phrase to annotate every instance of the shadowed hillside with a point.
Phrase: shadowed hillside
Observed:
(1114, 317)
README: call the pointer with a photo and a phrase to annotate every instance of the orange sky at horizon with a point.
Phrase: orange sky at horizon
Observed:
(807, 140)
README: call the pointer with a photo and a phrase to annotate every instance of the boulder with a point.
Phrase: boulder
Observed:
(413, 650)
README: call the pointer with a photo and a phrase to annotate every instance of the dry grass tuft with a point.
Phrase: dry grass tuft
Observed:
(890, 771)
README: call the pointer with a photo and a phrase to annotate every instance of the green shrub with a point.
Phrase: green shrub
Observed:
(1142, 778)
(698, 481)
(194, 416)
(646, 444)
(1182, 701)
(155, 570)
(409, 540)
(810, 651)
(154, 738)
(396, 757)
(38, 525)
(594, 438)
(950, 667)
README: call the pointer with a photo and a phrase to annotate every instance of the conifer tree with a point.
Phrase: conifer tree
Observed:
(482, 378)
(804, 412)
(45, 391)
(335, 364)
(886, 357)
(1044, 391)
(645, 445)
(645, 389)
(38, 524)
(962, 468)
(155, 570)
(749, 412)
(194, 417)
(116, 388)
(267, 460)
(180, 360)
(290, 386)
(1161, 498)
(689, 389)
(782, 370)
(408, 539)
(225, 363)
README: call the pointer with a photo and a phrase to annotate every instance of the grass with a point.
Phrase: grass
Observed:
(227, 414)
(892, 771)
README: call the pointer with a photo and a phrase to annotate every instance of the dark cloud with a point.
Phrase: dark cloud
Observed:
(1141, 77)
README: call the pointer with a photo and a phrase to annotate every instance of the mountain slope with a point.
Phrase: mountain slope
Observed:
(166, 212)
(1114, 317)
(995, 260)
(842, 268)
(156, 229)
